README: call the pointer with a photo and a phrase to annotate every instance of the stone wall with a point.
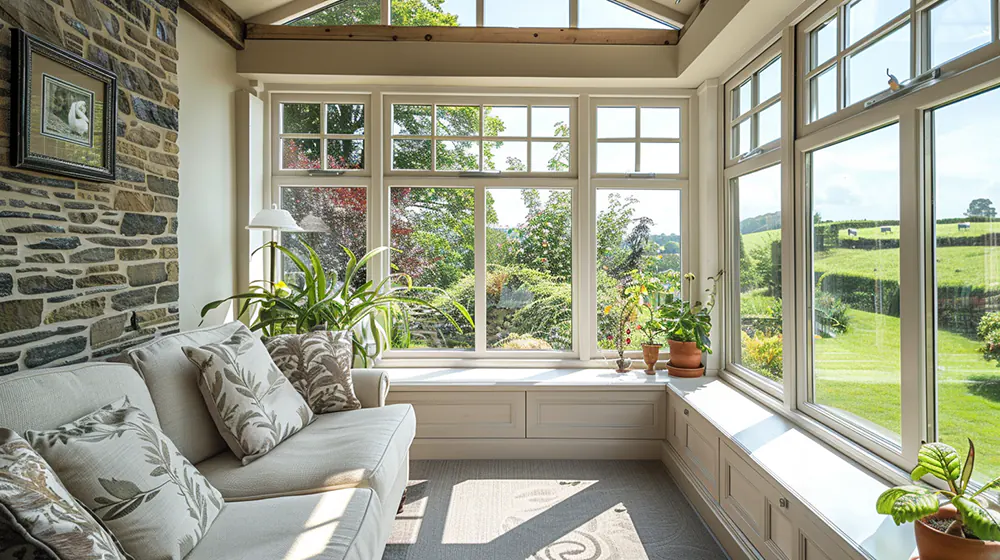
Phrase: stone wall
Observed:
(88, 269)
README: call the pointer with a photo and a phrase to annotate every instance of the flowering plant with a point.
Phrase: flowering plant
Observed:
(626, 311)
(686, 321)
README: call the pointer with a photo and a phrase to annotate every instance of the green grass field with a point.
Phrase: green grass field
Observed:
(948, 230)
(858, 372)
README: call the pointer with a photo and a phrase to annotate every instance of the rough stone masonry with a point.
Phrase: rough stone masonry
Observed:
(89, 269)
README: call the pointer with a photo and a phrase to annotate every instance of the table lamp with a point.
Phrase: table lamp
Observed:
(275, 220)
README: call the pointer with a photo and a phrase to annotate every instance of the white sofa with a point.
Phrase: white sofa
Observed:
(329, 492)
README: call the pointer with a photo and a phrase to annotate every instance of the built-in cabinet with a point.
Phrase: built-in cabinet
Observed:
(773, 522)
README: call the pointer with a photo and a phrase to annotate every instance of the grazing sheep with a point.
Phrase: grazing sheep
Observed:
(852, 232)
(886, 229)
(964, 225)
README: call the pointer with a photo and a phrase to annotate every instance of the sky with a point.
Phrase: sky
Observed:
(547, 13)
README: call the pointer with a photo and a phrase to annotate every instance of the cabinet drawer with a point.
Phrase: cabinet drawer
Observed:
(453, 414)
(697, 441)
(596, 414)
(743, 496)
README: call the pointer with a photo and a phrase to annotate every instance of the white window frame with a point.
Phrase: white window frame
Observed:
(323, 136)
(758, 106)
(638, 140)
(463, 100)
(663, 15)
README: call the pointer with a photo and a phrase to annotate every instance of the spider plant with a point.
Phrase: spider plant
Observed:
(327, 300)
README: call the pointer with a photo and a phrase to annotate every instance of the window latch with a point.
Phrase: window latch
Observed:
(479, 174)
(327, 173)
(752, 153)
(641, 175)
(925, 79)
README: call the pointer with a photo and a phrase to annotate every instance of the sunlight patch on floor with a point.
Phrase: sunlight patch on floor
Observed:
(596, 538)
(505, 505)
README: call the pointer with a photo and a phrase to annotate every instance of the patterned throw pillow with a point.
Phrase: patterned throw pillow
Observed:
(119, 464)
(254, 406)
(39, 518)
(319, 367)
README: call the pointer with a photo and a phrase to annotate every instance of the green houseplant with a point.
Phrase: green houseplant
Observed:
(963, 527)
(327, 300)
(686, 324)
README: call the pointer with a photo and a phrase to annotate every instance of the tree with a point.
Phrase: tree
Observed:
(981, 208)
(367, 12)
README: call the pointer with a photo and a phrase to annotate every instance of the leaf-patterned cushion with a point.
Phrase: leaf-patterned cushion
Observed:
(319, 367)
(39, 518)
(119, 464)
(254, 406)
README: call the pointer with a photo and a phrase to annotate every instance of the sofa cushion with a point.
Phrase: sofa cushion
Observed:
(173, 383)
(338, 525)
(253, 404)
(34, 502)
(119, 464)
(318, 364)
(42, 399)
(357, 448)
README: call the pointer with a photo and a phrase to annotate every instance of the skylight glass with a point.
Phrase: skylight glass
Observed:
(609, 14)
(344, 12)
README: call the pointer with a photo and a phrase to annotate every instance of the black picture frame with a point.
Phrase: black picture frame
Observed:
(23, 48)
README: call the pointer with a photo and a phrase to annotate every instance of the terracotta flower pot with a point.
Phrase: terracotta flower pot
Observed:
(935, 545)
(650, 355)
(684, 354)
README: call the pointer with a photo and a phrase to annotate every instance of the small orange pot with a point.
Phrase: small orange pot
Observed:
(684, 354)
(935, 545)
(651, 355)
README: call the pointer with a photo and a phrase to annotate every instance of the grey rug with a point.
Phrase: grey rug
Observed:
(547, 510)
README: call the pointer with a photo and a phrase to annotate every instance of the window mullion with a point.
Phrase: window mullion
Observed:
(480, 256)
(585, 202)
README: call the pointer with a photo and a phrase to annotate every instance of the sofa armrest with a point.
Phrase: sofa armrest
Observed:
(371, 386)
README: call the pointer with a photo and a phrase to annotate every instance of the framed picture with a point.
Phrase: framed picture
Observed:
(64, 111)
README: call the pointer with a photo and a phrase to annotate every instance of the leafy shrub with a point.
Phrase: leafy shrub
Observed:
(832, 314)
(989, 332)
(763, 354)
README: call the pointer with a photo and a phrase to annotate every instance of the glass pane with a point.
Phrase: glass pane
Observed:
(823, 94)
(459, 155)
(344, 12)
(433, 240)
(823, 43)
(298, 153)
(637, 230)
(769, 81)
(742, 138)
(446, 12)
(526, 13)
(411, 155)
(529, 256)
(867, 69)
(506, 121)
(605, 14)
(345, 154)
(345, 119)
(865, 16)
(615, 157)
(769, 124)
(300, 118)
(855, 194)
(616, 122)
(550, 156)
(758, 280)
(550, 122)
(957, 27)
(333, 217)
(967, 276)
(412, 120)
(505, 156)
(660, 122)
(457, 121)
(743, 98)
(660, 158)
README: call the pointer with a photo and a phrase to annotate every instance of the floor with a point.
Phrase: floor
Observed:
(547, 510)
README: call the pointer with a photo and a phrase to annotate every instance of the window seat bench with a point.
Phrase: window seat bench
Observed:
(766, 488)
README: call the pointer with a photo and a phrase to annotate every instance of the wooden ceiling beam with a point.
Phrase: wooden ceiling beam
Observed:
(552, 36)
(220, 19)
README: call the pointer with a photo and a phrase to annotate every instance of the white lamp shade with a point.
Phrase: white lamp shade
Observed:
(274, 218)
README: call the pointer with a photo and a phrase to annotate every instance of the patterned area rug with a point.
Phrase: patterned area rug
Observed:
(547, 510)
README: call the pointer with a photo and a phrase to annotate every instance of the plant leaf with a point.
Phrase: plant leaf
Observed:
(912, 506)
(982, 522)
(940, 460)
(889, 497)
(991, 485)
(970, 462)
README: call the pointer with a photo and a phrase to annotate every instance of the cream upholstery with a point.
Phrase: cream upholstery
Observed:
(341, 525)
(44, 399)
(331, 490)
(173, 384)
(357, 448)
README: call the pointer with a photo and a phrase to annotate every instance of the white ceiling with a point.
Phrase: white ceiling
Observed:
(250, 8)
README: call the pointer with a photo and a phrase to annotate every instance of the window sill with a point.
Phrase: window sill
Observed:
(432, 378)
(838, 490)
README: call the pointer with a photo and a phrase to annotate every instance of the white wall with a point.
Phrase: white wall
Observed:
(207, 213)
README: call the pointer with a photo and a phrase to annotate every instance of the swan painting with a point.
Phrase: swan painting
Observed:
(68, 110)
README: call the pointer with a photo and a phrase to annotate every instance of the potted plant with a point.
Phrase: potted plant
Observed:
(649, 291)
(963, 528)
(687, 325)
(625, 309)
(326, 300)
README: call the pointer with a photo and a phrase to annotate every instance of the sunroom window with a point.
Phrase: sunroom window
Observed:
(638, 139)
(322, 136)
